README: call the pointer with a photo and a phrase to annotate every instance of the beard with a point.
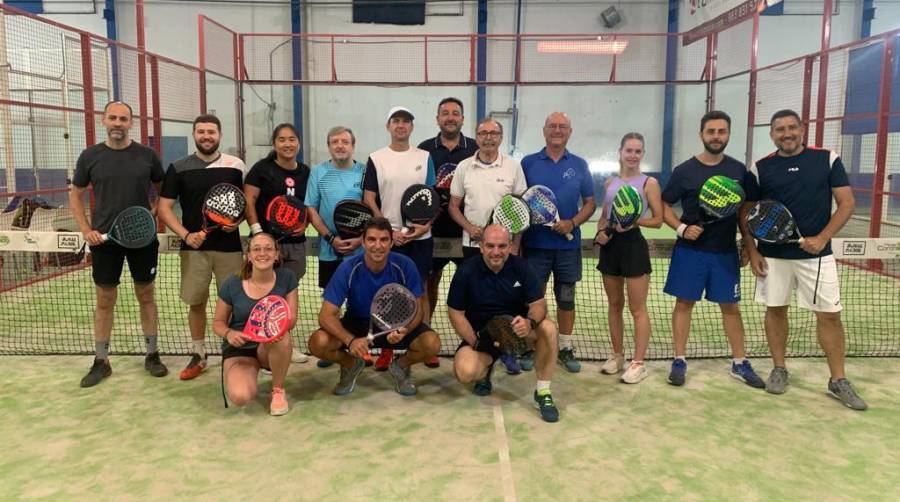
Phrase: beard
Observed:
(715, 150)
(207, 151)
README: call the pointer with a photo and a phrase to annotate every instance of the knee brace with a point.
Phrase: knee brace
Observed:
(565, 295)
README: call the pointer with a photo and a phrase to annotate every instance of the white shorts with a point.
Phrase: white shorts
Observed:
(816, 280)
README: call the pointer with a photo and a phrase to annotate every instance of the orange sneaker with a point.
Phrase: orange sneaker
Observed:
(384, 360)
(433, 362)
(279, 405)
(194, 367)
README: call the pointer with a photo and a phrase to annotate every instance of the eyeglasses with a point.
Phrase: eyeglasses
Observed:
(489, 134)
(560, 127)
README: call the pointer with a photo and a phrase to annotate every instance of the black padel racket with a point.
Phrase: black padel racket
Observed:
(133, 228)
(223, 206)
(350, 218)
(771, 221)
(393, 307)
(444, 178)
(420, 205)
(287, 216)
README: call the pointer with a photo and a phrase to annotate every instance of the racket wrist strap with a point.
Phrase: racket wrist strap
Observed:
(329, 238)
(255, 228)
(680, 230)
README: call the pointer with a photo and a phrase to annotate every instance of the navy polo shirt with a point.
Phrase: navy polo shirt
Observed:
(684, 187)
(483, 294)
(803, 184)
(354, 283)
(571, 182)
(444, 226)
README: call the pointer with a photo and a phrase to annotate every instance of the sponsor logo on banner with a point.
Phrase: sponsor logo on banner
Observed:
(4, 240)
(854, 248)
(712, 16)
(71, 242)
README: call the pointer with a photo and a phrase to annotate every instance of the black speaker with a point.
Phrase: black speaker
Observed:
(611, 17)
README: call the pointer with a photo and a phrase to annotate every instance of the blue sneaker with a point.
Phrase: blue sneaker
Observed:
(744, 372)
(511, 363)
(526, 361)
(679, 370)
(324, 363)
(544, 403)
(566, 357)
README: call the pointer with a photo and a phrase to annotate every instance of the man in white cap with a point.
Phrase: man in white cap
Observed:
(389, 172)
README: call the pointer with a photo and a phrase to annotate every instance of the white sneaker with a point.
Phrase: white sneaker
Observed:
(613, 365)
(299, 357)
(635, 373)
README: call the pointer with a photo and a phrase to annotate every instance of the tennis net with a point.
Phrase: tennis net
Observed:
(47, 303)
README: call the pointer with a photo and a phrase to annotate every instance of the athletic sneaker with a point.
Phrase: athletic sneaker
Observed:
(744, 372)
(324, 363)
(299, 357)
(484, 387)
(678, 372)
(433, 362)
(566, 357)
(511, 363)
(194, 367)
(778, 380)
(526, 361)
(384, 360)
(635, 373)
(368, 360)
(403, 379)
(155, 366)
(279, 405)
(613, 365)
(544, 403)
(844, 392)
(347, 382)
(99, 370)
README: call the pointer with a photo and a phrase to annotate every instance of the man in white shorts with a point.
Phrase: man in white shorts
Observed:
(805, 180)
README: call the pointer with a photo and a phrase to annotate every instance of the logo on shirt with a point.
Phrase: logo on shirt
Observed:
(570, 173)
(793, 169)
(419, 167)
(289, 182)
(517, 284)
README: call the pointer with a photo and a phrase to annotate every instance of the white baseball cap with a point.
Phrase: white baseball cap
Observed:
(397, 110)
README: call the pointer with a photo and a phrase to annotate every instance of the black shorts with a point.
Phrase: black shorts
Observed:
(493, 351)
(360, 328)
(326, 271)
(248, 350)
(439, 263)
(625, 255)
(421, 253)
(107, 260)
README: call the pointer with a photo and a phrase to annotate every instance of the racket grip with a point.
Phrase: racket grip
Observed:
(569, 237)
(104, 237)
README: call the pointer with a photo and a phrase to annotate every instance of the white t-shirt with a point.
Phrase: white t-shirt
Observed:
(483, 185)
(389, 173)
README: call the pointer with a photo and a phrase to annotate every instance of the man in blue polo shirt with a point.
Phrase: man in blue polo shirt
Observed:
(495, 284)
(705, 257)
(805, 180)
(355, 282)
(547, 249)
(447, 149)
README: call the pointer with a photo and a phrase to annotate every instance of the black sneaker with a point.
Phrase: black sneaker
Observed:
(99, 370)
(544, 403)
(155, 366)
(484, 387)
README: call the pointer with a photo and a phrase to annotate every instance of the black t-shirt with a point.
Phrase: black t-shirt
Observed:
(483, 294)
(444, 226)
(684, 187)
(188, 180)
(272, 181)
(120, 179)
(803, 184)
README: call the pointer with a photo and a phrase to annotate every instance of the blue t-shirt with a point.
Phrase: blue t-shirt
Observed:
(327, 186)
(356, 285)
(483, 294)
(232, 293)
(684, 187)
(803, 183)
(570, 179)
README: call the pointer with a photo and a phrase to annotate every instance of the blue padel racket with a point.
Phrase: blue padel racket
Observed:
(133, 228)
(771, 221)
(543, 206)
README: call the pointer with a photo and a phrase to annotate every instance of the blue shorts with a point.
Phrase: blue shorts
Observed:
(565, 264)
(692, 271)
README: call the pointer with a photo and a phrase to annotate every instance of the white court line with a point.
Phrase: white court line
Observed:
(506, 476)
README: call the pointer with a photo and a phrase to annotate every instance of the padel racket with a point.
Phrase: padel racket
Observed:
(419, 204)
(223, 206)
(625, 210)
(350, 218)
(133, 228)
(269, 320)
(287, 216)
(720, 197)
(543, 206)
(771, 221)
(500, 332)
(444, 177)
(393, 307)
(512, 212)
